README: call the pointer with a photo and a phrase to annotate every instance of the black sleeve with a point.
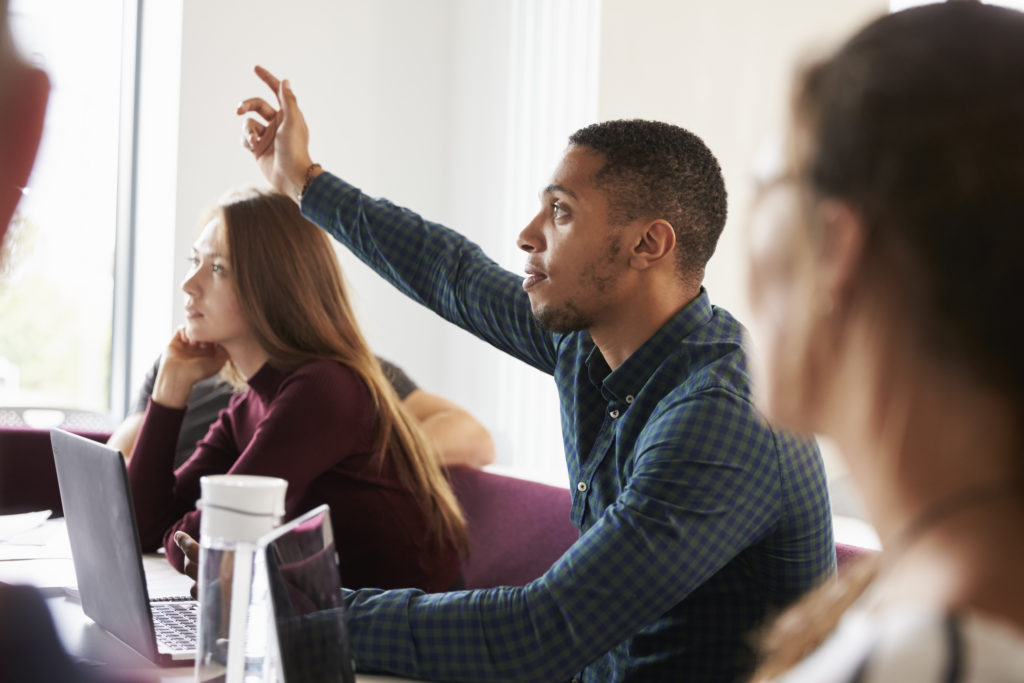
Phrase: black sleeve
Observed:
(399, 380)
(146, 390)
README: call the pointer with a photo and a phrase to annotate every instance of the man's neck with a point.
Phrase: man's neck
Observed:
(627, 329)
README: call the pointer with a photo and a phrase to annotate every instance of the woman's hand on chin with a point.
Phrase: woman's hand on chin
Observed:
(184, 363)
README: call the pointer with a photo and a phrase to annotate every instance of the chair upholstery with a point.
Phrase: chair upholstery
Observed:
(517, 528)
(28, 479)
(847, 555)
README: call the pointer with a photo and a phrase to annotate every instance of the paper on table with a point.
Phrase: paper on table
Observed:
(12, 525)
(11, 552)
(52, 576)
(47, 541)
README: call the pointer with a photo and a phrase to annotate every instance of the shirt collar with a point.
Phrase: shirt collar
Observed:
(628, 378)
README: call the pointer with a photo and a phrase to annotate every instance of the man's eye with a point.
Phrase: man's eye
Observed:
(557, 210)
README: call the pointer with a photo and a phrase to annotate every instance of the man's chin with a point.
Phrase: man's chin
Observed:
(560, 320)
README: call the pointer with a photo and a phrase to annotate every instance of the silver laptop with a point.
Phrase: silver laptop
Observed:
(107, 557)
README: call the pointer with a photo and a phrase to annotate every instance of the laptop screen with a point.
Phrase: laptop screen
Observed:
(299, 563)
(104, 542)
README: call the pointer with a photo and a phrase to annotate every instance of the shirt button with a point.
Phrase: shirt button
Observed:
(629, 398)
(581, 487)
(614, 414)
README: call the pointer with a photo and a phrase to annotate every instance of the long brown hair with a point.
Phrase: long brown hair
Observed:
(917, 124)
(292, 293)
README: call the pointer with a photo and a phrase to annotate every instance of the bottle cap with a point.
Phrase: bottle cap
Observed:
(240, 507)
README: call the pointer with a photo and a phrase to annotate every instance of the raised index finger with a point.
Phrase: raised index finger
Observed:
(268, 78)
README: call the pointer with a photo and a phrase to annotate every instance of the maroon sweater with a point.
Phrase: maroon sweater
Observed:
(312, 426)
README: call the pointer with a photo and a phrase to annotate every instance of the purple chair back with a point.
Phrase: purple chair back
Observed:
(28, 479)
(517, 528)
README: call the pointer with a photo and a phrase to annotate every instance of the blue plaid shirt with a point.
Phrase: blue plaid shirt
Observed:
(696, 519)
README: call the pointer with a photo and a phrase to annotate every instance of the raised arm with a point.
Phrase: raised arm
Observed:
(151, 469)
(280, 144)
(432, 264)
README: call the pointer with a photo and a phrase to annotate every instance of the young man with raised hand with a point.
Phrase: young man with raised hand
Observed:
(696, 518)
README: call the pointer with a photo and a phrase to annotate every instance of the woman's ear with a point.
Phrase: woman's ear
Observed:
(655, 241)
(841, 249)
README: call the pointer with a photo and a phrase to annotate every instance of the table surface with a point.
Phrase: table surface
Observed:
(41, 557)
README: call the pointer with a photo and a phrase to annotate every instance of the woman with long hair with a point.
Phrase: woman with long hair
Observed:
(266, 306)
(885, 274)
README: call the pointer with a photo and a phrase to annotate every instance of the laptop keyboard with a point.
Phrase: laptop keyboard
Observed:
(175, 624)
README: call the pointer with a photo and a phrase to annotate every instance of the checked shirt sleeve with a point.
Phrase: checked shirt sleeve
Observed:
(692, 502)
(433, 265)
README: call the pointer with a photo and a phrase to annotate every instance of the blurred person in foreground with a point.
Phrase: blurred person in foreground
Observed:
(23, 94)
(885, 275)
(29, 647)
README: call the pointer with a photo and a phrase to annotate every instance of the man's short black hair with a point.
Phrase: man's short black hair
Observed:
(657, 170)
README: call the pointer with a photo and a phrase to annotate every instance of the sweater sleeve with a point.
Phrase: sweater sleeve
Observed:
(151, 474)
(165, 499)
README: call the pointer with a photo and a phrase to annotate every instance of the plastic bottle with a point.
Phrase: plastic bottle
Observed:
(234, 616)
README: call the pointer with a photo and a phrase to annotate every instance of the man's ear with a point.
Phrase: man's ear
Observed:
(841, 248)
(22, 110)
(655, 241)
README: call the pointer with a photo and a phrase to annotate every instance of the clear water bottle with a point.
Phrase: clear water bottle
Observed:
(235, 618)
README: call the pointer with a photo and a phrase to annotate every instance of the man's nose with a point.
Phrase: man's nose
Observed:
(531, 238)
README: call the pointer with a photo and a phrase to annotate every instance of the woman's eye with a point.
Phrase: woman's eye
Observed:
(193, 261)
(217, 268)
(557, 210)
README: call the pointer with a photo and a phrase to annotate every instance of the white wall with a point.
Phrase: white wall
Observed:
(409, 99)
(721, 69)
(375, 81)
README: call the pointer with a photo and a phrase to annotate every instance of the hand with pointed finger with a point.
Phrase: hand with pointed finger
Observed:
(190, 547)
(280, 143)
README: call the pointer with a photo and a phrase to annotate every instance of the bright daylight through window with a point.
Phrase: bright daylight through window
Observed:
(56, 282)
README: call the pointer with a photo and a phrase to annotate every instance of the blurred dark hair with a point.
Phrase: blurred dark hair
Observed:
(655, 170)
(917, 123)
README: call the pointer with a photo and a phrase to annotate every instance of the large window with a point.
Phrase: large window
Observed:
(57, 282)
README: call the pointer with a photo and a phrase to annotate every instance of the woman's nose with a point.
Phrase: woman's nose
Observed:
(190, 285)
